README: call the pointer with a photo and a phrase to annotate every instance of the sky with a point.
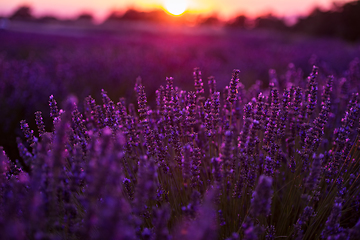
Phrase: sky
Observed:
(225, 9)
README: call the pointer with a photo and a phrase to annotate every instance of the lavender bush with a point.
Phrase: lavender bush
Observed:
(229, 164)
(34, 66)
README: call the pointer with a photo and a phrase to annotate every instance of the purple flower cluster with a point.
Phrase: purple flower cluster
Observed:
(201, 165)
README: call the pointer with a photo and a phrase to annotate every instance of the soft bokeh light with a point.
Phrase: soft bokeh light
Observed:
(175, 7)
(225, 9)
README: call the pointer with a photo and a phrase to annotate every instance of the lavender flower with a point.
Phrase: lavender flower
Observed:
(79, 124)
(234, 236)
(28, 133)
(208, 118)
(142, 108)
(270, 232)
(161, 218)
(312, 92)
(39, 123)
(332, 225)
(246, 127)
(354, 232)
(128, 187)
(313, 178)
(54, 112)
(146, 187)
(4, 165)
(195, 167)
(271, 128)
(212, 85)
(203, 227)
(307, 213)
(191, 118)
(226, 154)
(122, 116)
(237, 193)
(327, 89)
(199, 86)
(216, 162)
(269, 166)
(284, 113)
(251, 232)
(186, 161)
(222, 220)
(215, 111)
(191, 210)
(24, 153)
(297, 101)
(261, 198)
(233, 86)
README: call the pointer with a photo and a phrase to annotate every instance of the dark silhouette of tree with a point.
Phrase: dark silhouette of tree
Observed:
(350, 18)
(133, 15)
(155, 16)
(212, 20)
(114, 16)
(238, 22)
(320, 23)
(341, 21)
(270, 22)
(85, 17)
(47, 19)
(158, 16)
(23, 13)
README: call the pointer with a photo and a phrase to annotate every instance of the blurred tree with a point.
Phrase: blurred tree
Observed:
(158, 16)
(341, 21)
(320, 23)
(212, 20)
(133, 14)
(47, 19)
(239, 22)
(270, 22)
(85, 17)
(155, 16)
(114, 16)
(23, 13)
(350, 18)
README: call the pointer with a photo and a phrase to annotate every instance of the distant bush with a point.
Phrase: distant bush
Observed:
(239, 21)
(23, 13)
(47, 19)
(342, 21)
(158, 16)
(211, 21)
(270, 22)
(85, 18)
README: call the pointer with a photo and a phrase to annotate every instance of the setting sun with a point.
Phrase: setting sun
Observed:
(175, 7)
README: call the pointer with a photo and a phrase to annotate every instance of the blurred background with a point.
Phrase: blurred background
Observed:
(62, 47)
(336, 18)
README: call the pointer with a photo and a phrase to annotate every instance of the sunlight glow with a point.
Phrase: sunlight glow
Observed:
(175, 7)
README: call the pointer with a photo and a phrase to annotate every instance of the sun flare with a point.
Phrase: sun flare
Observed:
(175, 7)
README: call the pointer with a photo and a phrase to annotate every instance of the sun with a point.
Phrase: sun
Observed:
(175, 7)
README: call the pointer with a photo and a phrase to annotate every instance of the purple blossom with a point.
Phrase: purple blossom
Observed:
(261, 197)
(332, 225)
(117, 172)
(198, 83)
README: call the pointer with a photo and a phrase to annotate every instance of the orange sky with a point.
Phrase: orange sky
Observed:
(223, 8)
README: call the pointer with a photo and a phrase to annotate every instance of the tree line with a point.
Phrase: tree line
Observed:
(342, 21)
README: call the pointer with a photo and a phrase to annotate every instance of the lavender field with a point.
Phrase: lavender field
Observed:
(139, 134)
